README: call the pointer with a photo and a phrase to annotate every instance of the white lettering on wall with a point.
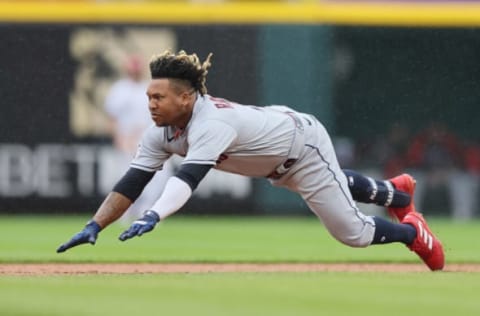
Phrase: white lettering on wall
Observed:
(63, 171)
(48, 170)
(84, 158)
(16, 169)
(50, 176)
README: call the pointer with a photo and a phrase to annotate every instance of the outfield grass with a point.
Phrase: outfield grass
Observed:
(213, 239)
(235, 239)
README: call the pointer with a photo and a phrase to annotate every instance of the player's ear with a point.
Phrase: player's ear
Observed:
(186, 95)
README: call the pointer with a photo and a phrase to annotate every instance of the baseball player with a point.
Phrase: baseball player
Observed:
(291, 149)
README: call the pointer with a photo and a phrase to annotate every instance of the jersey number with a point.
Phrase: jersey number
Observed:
(221, 158)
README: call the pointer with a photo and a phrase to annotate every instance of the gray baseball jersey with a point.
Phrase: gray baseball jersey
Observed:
(292, 149)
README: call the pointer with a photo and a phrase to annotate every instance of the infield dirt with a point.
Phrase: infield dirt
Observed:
(141, 268)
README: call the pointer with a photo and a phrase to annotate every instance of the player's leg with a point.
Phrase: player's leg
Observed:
(381, 192)
(347, 224)
(388, 232)
(320, 181)
(337, 210)
(318, 178)
(332, 202)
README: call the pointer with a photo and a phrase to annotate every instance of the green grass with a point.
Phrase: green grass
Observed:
(233, 239)
(243, 294)
(213, 239)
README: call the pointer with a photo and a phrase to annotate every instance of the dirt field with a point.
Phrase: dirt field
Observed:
(128, 268)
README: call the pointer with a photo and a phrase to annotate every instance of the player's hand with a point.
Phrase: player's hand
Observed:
(141, 225)
(88, 235)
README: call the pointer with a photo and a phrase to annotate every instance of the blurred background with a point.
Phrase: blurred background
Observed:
(397, 84)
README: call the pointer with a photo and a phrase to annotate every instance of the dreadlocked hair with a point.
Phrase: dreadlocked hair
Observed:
(183, 67)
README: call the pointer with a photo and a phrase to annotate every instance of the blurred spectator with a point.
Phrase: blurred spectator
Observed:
(437, 158)
(385, 150)
(436, 148)
(472, 157)
(127, 106)
(392, 149)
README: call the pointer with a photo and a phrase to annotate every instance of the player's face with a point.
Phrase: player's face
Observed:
(169, 104)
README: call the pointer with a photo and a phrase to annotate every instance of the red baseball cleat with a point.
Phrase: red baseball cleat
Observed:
(405, 183)
(425, 245)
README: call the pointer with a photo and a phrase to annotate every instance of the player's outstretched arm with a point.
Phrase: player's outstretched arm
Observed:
(178, 190)
(111, 209)
(174, 196)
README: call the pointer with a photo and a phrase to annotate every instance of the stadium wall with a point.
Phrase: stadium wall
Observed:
(356, 66)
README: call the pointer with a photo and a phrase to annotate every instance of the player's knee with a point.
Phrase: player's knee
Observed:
(353, 240)
(356, 243)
